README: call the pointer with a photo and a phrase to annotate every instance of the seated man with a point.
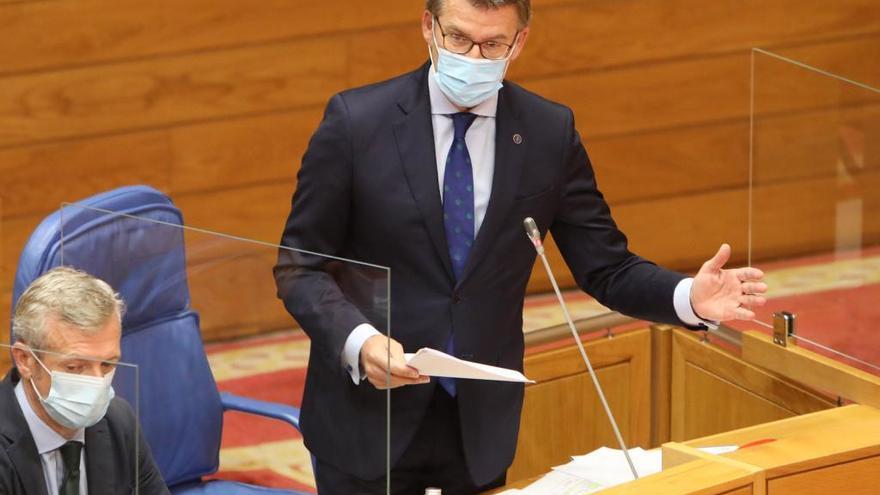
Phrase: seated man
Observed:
(61, 429)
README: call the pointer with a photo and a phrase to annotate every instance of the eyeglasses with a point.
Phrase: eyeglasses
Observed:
(459, 44)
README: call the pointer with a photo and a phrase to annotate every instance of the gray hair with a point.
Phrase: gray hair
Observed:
(67, 295)
(524, 7)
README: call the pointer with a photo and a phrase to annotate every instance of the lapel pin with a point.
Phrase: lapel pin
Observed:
(517, 139)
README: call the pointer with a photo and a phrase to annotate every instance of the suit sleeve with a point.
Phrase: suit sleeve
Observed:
(328, 297)
(596, 250)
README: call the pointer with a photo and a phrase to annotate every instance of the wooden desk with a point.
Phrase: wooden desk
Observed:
(819, 453)
(831, 451)
(700, 476)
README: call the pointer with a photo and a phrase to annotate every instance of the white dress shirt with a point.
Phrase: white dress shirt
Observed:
(480, 139)
(48, 442)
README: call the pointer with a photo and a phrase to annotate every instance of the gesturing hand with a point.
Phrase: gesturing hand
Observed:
(374, 359)
(721, 295)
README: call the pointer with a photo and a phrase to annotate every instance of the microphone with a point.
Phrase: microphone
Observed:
(535, 236)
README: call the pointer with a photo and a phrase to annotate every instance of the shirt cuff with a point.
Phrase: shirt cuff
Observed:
(351, 352)
(681, 299)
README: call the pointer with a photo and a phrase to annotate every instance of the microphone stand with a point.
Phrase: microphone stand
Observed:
(535, 236)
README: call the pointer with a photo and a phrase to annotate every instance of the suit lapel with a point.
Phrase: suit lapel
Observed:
(24, 456)
(509, 159)
(99, 459)
(22, 450)
(415, 143)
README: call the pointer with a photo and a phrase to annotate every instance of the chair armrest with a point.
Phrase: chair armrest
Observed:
(282, 412)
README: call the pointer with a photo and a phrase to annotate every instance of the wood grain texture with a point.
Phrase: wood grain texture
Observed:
(814, 370)
(856, 477)
(255, 212)
(661, 383)
(581, 37)
(805, 442)
(133, 29)
(713, 391)
(37, 179)
(562, 415)
(213, 102)
(162, 92)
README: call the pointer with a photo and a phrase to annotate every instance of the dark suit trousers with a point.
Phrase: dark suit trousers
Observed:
(434, 458)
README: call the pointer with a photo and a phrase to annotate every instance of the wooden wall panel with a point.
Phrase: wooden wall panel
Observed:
(607, 34)
(37, 179)
(162, 92)
(858, 477)
(211, 156)
(16, 231)
(256, 212)
(213, 101)
(562, 415)
(713, 391)
(598, 35)
(135, 29)
(234, 293)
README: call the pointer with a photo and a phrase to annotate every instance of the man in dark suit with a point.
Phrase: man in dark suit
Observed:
(61, 430)
(431, 174)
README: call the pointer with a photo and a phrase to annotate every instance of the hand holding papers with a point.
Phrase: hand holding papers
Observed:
(431, 362)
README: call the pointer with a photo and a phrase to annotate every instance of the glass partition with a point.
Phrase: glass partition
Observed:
(184, 285)
(78, 388)
(815, 203)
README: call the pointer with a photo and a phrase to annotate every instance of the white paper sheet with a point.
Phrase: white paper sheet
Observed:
(720, 449)
(431, 362)
(600, 469)
(608, 467)
(559, 483)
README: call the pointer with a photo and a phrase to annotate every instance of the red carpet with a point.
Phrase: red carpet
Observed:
(257, 450)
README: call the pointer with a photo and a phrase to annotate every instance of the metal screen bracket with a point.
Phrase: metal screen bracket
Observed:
(783, 327)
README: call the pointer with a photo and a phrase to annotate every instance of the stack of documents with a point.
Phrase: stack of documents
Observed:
(600, 469)
(592, 472)
(608, 467)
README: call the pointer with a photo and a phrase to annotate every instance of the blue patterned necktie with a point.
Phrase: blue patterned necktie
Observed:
(458, 210)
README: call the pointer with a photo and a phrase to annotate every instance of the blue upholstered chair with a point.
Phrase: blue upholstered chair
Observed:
(181, 410)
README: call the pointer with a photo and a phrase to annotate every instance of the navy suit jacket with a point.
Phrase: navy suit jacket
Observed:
(110, 449)
(368, 190)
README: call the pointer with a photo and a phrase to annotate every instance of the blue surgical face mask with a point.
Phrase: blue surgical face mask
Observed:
(76, 401)
(466, 81)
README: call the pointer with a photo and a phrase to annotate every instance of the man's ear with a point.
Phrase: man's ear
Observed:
(427, 27)
(520, 43)
(23, 360)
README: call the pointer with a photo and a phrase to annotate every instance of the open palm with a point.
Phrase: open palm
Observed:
(718, 294)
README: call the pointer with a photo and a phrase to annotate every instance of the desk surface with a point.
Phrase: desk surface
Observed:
(802, 442)
(820, 438)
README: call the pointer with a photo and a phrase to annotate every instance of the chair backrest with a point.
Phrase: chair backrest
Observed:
(139, 251)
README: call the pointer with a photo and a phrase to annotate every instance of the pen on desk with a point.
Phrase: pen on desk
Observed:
(754, 443)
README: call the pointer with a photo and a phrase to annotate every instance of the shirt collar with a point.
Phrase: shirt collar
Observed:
(440, 105)
(45, 437)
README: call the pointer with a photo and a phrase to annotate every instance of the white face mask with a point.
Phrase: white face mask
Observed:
(76, 401)
(466, 81)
